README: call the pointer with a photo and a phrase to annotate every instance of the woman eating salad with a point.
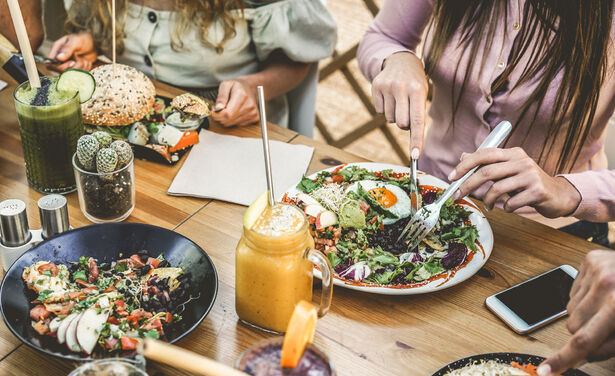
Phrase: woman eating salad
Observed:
(544, 66)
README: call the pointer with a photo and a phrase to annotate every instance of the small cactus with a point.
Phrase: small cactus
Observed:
(123, 150)
(87, 148)
(103, 138)
(106, 160)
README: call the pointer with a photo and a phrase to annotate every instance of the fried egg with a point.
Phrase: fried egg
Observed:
(391, 197)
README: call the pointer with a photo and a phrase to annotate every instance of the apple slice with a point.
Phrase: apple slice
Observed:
(255, 210)
(313, 210)
(54, 324)
(326, 219)
(88, 329)
(71, 335)
(307, 199)
(64, 326)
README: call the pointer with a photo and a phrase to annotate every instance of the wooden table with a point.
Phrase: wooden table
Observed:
(364, 334)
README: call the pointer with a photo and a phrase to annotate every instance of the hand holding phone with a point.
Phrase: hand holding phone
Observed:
(592, 311)
(536, 302)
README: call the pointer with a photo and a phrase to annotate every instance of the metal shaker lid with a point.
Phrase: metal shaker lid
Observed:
(54, 215)
(14, 228)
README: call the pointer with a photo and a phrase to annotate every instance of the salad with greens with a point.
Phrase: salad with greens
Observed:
(88, 304)
(356, 216)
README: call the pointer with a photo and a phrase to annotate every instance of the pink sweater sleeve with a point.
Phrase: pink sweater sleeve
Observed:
(398, 27)
(597, 189)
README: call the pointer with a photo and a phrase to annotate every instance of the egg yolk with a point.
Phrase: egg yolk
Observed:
(384, 197)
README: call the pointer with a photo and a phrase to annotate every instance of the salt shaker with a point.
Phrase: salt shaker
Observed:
(15, 234)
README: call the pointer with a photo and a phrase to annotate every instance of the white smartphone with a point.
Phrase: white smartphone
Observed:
(535, 302)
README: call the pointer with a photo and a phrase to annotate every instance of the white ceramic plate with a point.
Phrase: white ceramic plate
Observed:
(485, 238)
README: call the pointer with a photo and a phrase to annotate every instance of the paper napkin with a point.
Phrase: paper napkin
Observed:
(232, 169)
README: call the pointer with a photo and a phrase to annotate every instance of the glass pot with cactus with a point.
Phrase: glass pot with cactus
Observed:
(104, 171)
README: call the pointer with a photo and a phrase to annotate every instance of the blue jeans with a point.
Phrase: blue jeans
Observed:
(597, 233)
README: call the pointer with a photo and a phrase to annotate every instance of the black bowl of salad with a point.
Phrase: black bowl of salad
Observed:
(94, 292)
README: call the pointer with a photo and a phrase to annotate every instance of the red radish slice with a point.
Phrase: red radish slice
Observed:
(88, 328)
(64, 326)
(71, 337)
(54, 325)
(326, 219)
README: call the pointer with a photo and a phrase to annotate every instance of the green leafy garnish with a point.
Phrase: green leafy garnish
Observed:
(334, 259)
(44, 295)
(79, 274)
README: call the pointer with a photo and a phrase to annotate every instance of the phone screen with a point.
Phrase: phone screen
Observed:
(540, 298)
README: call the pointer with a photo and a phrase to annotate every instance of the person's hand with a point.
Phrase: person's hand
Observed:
(517, 181)
(400, 92)
(75, 51)
(592, 312)
(236, 103)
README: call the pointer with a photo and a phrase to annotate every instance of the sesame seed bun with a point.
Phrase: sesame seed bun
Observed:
(121, 100)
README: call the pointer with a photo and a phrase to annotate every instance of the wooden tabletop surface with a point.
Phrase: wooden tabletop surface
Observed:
(364, 334)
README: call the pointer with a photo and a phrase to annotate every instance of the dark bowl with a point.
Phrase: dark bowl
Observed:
(106, 242)
(503, 358)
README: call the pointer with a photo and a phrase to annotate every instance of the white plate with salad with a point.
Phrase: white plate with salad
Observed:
(357, 211)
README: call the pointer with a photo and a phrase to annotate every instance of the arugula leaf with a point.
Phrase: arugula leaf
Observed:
(433, 266)
(47, 273)
(84, 262)
(44, 295)
(307, 185)
(334, 259)
(385, 258)
(121, 266)
(412, 272)
(79, 274)
(464, 234)
(151, 334)
(385, 277)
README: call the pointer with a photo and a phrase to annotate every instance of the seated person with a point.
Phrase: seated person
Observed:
(552, 168)
(206, 46)
(31, 12)
(591, 316)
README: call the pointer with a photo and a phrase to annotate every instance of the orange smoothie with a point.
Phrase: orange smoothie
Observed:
(272, 270)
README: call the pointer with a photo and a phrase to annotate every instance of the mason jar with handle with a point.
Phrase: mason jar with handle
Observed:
(274, 261)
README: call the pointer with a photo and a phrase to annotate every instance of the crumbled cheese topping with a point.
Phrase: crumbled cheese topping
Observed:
(488, 368)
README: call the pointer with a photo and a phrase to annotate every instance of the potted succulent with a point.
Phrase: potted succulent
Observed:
(104, 171)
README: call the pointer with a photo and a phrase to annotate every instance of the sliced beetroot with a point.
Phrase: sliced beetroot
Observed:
(429, 197)
(456, 255)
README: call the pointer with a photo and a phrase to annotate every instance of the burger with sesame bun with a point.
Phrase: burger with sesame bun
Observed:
(125, 106)
(119, 99)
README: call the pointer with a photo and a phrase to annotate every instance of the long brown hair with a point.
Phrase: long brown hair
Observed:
(562, 37)
(95, 16)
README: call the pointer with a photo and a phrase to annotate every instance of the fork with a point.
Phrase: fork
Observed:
(425, 219)
(415, 185)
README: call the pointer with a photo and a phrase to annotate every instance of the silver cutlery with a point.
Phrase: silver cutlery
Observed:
(426, 218)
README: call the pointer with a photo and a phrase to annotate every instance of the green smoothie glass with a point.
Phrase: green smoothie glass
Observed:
(50, 124)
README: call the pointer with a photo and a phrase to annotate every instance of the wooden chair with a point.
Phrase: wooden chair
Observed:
(340, 63)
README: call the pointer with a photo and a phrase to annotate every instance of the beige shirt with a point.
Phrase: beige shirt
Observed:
(303, 29)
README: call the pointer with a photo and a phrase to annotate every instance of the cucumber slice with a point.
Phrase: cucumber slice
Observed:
(77, 80)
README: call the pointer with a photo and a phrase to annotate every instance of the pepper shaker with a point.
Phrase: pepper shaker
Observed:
(54, 215)
(15, 234)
